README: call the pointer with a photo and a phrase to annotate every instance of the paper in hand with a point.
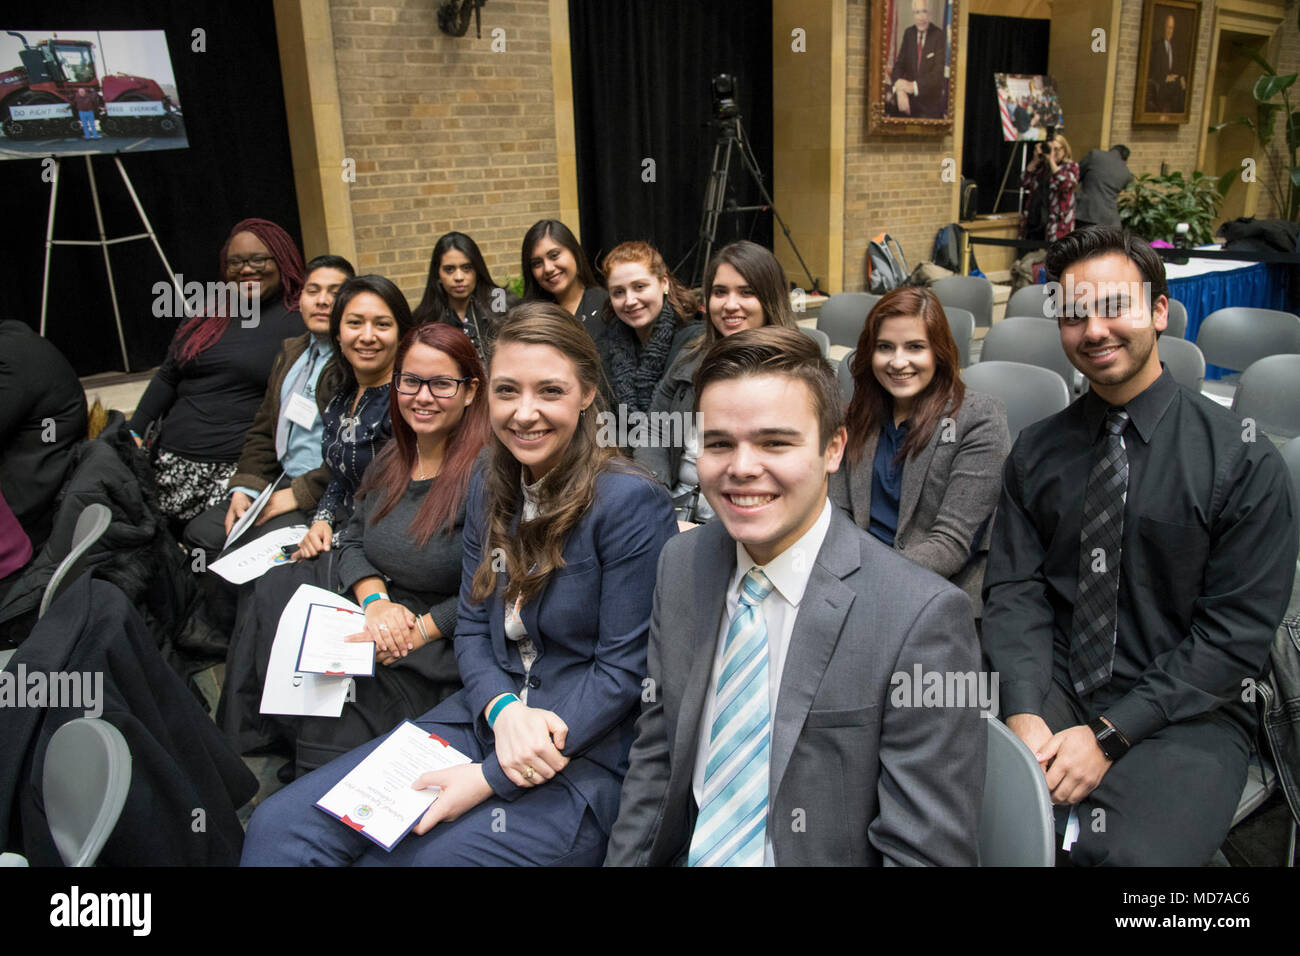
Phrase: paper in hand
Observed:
(376, 799)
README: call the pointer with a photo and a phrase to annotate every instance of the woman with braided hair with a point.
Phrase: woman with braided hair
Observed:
(203, 397)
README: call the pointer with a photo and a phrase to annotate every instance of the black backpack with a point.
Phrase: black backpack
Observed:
(947, 249)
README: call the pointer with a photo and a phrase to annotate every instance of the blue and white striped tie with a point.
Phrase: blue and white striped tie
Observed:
(733, 810)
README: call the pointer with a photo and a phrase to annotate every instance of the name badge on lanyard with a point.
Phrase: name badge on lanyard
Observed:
(301, 411)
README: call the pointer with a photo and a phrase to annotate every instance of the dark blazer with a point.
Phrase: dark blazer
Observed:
(871, 783)
(676, 394)
(927, 72)
(1102, 177)
(589, 626)
(1167, 97)
(42, 419)
(258, 465)
(949, 492)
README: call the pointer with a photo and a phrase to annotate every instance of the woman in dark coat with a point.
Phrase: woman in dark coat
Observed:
(649, 317)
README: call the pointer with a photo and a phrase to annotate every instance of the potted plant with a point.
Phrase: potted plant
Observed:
(1283, 176)
(1154, 206)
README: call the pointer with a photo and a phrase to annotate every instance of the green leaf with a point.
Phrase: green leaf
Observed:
(1263, 63)
(1239, 121)
(1266, 115)
(1268, 86)
(1227, 180)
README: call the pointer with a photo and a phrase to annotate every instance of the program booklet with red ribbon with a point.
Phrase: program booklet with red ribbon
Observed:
(376, 799)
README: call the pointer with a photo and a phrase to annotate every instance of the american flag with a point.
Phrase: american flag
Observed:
(1008, 127)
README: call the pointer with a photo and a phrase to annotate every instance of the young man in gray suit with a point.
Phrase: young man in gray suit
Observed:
(783, 720)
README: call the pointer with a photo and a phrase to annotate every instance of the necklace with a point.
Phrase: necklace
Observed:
(419, 455)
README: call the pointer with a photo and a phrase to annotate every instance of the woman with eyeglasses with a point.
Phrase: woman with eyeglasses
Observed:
(399, 558)
(562, 540)
(202, 400)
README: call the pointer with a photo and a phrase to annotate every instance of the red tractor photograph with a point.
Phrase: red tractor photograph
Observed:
(57, 82)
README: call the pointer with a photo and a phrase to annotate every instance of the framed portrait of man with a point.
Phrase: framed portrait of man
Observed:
(1166, 61)
(912, 59)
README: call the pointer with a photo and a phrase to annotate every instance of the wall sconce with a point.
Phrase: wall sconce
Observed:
(453, 17)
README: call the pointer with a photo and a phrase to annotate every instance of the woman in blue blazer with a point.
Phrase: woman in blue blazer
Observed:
(561, 544)
(923, 467)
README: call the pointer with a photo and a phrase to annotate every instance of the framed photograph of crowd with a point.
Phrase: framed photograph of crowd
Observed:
(911, 65)
(1166, 61)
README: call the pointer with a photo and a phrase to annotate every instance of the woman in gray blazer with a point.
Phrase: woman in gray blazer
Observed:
(923, 466)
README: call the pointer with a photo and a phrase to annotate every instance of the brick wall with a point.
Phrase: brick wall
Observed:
(1152, 145)
(1178, 145)
(891, 183)
(446, 134)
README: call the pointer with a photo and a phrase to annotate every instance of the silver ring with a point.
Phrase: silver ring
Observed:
(383, 627)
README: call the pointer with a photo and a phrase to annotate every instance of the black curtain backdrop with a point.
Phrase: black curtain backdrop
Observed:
(997, 45)
(237, 165)
(641, 90)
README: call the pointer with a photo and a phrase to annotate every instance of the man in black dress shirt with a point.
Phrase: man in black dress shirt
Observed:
(1142, 557)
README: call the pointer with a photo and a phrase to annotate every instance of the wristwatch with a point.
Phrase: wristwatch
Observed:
(1110, 740)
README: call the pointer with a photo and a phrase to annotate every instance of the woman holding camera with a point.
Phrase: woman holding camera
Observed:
(1052, 182)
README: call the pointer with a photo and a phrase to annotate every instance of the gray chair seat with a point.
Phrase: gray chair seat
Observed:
(1237, 338)
(821, 338)
(962, 325)
(1031, 301)
(1031, 341)
(1016, 816)
(972, 293)
(1184, 360)
(1177, 324)
(843, 315)
(1029, 392)
(1269, 393)
(84, 784)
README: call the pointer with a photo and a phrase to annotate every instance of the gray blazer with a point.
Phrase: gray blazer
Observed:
(949, 493)
(1102, 177)
(855, 780)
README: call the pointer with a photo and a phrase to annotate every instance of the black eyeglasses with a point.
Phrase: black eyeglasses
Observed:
(237, 263)
(440, 387)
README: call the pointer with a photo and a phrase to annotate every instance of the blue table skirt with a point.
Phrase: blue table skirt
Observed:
(1260, 286)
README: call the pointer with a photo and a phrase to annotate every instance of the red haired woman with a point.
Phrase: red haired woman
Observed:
(923, 466)
(400, 558)
(645, 323)
(201, 401)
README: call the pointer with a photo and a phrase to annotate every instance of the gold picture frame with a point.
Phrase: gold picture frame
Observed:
(899, 56)
(1167, 62)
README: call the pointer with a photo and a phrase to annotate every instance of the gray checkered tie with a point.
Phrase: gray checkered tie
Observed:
(1092, 642)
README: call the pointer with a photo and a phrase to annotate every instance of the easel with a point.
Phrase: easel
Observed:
(103, 242)
(1024, 162)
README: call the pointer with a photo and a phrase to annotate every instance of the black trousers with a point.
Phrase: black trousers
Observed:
(1169, 801)
(207, 530)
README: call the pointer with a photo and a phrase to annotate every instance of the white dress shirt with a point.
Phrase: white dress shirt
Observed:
(789, 572)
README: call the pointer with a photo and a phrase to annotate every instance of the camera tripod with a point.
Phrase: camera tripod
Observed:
(733, 141)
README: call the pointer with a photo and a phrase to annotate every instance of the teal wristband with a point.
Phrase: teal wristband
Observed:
(373, 597)
(500, 705)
